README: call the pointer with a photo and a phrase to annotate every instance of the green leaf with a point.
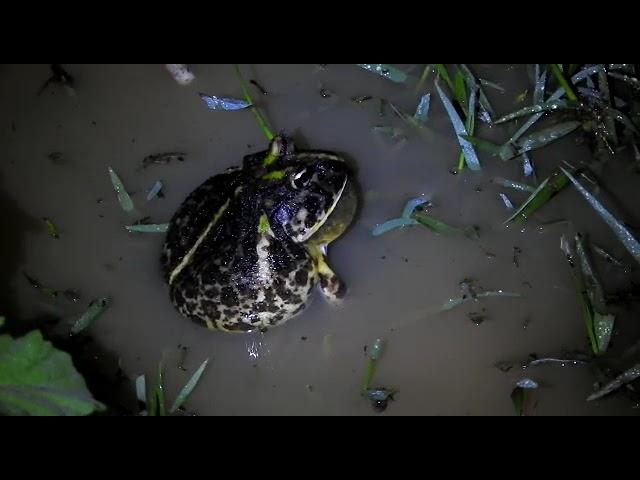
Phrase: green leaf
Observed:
(444, 74)
(148, 228)
(619, 229)
(545, 192)
(484, 145)
(96, 308)
(460, 91)
(123, 196)
(52, 228)
(563, 82)
(37, 379)
(188, 388)
(262, 123)
(387, 71)
(159, 392)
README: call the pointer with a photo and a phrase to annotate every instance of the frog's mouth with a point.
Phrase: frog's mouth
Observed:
(323, 219)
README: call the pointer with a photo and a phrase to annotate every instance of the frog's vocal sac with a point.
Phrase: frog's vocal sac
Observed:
(247, 247)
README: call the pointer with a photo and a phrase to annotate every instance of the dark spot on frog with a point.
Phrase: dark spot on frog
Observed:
(302, 277)
(228, 297)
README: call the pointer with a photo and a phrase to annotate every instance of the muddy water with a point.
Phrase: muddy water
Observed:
(441, 364)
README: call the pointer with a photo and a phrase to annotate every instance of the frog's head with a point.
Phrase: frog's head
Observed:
(304, 189)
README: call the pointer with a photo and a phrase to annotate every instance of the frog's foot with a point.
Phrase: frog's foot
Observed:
(330, 284)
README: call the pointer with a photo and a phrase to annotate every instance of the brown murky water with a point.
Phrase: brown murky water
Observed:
(441, 364)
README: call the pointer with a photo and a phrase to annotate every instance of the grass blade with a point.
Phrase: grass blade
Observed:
(95, 310)
(550, 106)
(188, 388)
(627, 377)
(123, 196)
(623, 234)
(545, 192)
(245, 91)
(469, 153)
(387, 71)
(563, 82)
(148, 228)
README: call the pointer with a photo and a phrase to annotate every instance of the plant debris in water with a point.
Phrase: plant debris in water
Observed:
(548, 189)
(403, 221)
(422, 111)
(259, 87)
(387, 71)
(148, 228)
(227, 104)
(59, 76)
(623, 379)
(95, 310)
(123, 196)
(471, 291)
(188, 388)
(163, 158)
(156, 191)
(52, 228)
(379, 397)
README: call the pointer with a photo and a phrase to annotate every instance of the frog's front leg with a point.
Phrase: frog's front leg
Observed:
(330, 284)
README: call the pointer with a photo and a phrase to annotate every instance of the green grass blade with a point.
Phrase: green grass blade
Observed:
(245, 91)
(188, 388)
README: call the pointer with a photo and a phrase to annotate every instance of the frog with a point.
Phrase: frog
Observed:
(247, 248)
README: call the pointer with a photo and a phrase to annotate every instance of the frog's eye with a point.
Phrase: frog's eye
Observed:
(302, 178)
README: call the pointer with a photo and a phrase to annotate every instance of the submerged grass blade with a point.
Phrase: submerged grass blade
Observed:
(159, 392)
(627, 377)
(623, 234)
(484, 145)
(188, 388)
(456, 302)
(95, 310)
(141, 389)
(387, 71)
(422, 111)
(123, 196)
(391, 225)
(373, 355)
(469, 153)
(472, 83)
(148, 228)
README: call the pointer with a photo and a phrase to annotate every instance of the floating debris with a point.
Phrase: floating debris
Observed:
(148, 228)
(52, 229)
(386, 71)
(561, 361)
(506, 201)
(440, 227)
(155, 191)
(625, 378)
(123, 197)
(379, 397)
(527, 384)
(516, 256)
(188, 388)
(60, 77)
(522, 97)
(422, 111)
(469, 153)
(95, 310)
(259, 87)
(361, 99)
(227, 104)
(623, 234)
(373, 355)
(180, 73)
(163, 158)
(495, 86)
(56, 158)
